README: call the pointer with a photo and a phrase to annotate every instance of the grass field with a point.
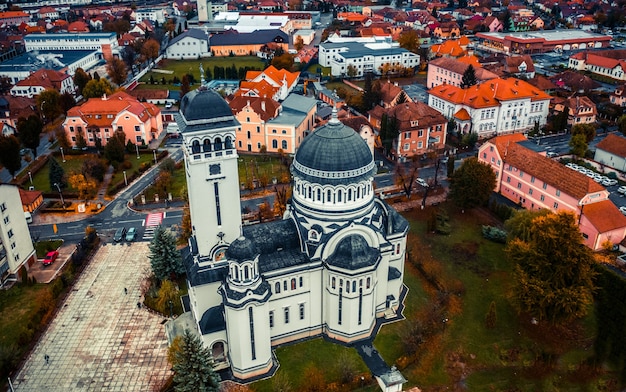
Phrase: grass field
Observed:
(118, 176)
(73, 163)
(262, 166)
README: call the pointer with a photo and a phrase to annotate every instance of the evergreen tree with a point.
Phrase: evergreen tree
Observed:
(184, 86)
(56, 174)
(193, 366)
(29, 129)
(472, 184)
(115, 148)
(10, 153)
(164, 257)
(469, 77)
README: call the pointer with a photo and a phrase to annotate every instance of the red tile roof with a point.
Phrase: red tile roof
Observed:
(604, 216)
(29, 197)
(266, 108)
(613, 144)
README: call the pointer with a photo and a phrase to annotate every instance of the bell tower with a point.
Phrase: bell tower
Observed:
(208, 127)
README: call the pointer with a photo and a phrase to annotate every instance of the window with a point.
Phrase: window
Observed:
(532, 180)
(293, 283)
(3, 207)
(277, 288)
(333, 283)
(360, 304)
(137, 128)
(284, 144)
(508, 179)
(6, 219)
(286, 315)
(530, 192)
(519, 185)
(555, 205)
(558, 192)
(301, 281)
(217, 203)
(367, 283)
(542, 198)
(271, 319)
(340, 305)
(545, 185)
(274, 143)
(301, 311)
(251, 316)
(10, 233)
(284, 285)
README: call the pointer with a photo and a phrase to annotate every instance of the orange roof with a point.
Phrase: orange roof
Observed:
(100, 112)
(604, 216)
(464, 41)
(29, 197)
(462, 115)
(605, 62)
(278, 75)
(470, 60)
(266, 108)
(613, 144)
(489, 93)
(448, 48)
(13, 14)
(258, 89)
(47, 78)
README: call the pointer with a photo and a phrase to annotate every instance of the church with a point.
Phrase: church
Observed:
(333, 266)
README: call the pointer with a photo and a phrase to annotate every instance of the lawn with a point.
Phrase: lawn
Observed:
(118, 176)
(73, 163)
(265, 167)
(43, 247)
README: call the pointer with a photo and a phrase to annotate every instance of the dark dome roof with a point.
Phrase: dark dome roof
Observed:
(332, 149)
(242, 249)
(353, 252)
(204, 104)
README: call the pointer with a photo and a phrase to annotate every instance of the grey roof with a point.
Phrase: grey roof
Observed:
(197, 275)
(334, 154)
(213, 320)
(201, 109)
(299, 102)
(192, 33)
(260, 294)
(393, 273)
(242, 249)
(353, 252)
(397, 223)
(232, 37)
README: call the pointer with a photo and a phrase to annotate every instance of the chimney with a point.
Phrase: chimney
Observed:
(263, 105)
(104, 97)
(248, 103)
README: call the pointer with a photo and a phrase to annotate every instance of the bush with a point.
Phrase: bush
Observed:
(442, 223)
(494, 234)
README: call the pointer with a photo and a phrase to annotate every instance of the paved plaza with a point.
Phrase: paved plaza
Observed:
(100, 340)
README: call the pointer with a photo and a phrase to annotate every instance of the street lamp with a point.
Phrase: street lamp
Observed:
(30, 176)
(60, 194)
(125, 179)
(62, 155)
(154, 153)
(171, 308)
(137, 149)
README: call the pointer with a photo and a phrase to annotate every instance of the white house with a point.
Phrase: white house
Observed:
(16, 246)
(152, 14)
(611, 151)
(332, 266)
(495, 107)
(609, 63)
(191, 44)
(41, 80)
(105, 43)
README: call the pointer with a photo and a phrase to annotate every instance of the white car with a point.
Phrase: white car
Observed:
(422, 182)
(609, 182)
(622, 209)
(622, 189)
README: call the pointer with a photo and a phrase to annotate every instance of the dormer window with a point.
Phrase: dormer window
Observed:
(314, 236)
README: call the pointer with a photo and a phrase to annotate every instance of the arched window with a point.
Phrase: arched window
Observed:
(274, 144)
(333, 283)
(195, 147)
(367, 283)
(301, 281)
(218, 144)
(248, 134)
(319, 195)
(284, 144)
(354, 286)
(358, 192)
(236, 269)
(284, 285)
(206, 145)
(309, 191)
(339, 193)
(293, 283)
(229, 142)
(246, 273)
(347, 286)
(328, 195)
(350, 194)
(277, 288)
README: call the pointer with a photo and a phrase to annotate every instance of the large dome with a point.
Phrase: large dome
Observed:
(334, 154)
(204, 104)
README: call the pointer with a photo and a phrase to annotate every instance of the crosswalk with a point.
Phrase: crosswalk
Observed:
(153, 220)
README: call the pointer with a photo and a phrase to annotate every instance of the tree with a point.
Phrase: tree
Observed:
(168, 296)
(29, 129)
(93, 168)
(371, 92)
(351, 71)
(56, 174)
(96, 88)
(578, 145)
(299, 44)
(129, 56)
(67, 102)
(410, 41)
(49, 104)
(115, 148)
(472, 183)
(518, 224)
(560, 120)
(389, 131)
(450, 166)
(554, 271)
(507, 21)
(10, 154)
(406, 174)
(193, 366)
(150, 50)
(62, 139)
(80, 79)
(116, 69)
(469, 77)
(184, 86)
(164, 257)
(80, 140)
(315, 381)
(284, 61)
(588, 130)
(84, 185)
(621, 123)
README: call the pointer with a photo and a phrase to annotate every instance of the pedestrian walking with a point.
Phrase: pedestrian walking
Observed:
(138, 305)
(125, 290)
(46, 357)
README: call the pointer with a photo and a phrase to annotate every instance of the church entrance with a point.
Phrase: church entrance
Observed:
(218, 352)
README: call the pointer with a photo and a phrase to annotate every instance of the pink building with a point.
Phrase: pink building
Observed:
(100, 118)
(619, 96)
(534, 181)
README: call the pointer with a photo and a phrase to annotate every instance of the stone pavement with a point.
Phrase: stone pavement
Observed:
(100, 340)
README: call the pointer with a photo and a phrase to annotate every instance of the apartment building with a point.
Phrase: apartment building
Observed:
(16, 245)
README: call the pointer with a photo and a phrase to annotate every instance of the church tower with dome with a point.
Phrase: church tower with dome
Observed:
(332, 266)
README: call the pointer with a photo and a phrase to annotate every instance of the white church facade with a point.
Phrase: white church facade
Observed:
(333, 266)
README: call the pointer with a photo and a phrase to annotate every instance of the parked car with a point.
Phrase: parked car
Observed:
(119, 234)
(622, 189)
(622, 209)
(131, 234)
(422, 182)
(50, 257)
(609, 182)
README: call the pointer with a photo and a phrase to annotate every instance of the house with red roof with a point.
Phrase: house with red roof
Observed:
(13, 18)
(582, 110)
(611, 63)
(98, 119)
(41, 80)
(48, 12)
(449, 48)
(271, 82)
(618, 97)
(498, 106)
(450, 70)
(611, 152)
(78, 27)
(13, 108)
(527, 177)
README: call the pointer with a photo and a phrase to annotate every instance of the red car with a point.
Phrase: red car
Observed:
(50, 257)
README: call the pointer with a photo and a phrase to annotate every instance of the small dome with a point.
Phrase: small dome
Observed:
(334, 154)
(242, 249)
(353, 252)
(203, 104)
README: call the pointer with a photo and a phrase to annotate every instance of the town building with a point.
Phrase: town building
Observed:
(104, 43)
(359, 58)
(618, 97)
(609, 63)
(271, 82)
(191, 44)
(16, 245)
(420, 128)
(333, 265)
(495, 107)
(581, 110)
(98, 119)
(157, 15)
(519, 66)
(611, 152)
(13, 108)
(13, 18)
(234, 43)
(65, 61)
(450, 70)
(529, 42)
(42, 80)
(31, 199)
(527, 177)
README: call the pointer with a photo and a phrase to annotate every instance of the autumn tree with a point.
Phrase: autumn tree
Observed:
(84, 185)
(588, 130)
(80, 79)
(410, 41)
(150, 50)
(469, 77)
(578, 145)
(167, 297)
(116, 69)
(96, 88)
(389, 131)
(299, 43)
(315, 381)
(554, 272)
(67, 102)
(193, 366)
(185, 227)
(10, 154)
(184, 86)
(406, 174)
(284, 61)
(29, 131)
(93, 167)
(61, 137)
(371, 92)
(49, 104)
(351, 71)
(472, 183)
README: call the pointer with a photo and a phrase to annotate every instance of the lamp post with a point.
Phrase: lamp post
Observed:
(125, 179)
(62, 154)
(30, 176)
(60, 193)
(154, 153)
(137, 150)
(171, 308)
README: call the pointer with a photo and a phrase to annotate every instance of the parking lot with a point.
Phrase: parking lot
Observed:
(101, 340)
